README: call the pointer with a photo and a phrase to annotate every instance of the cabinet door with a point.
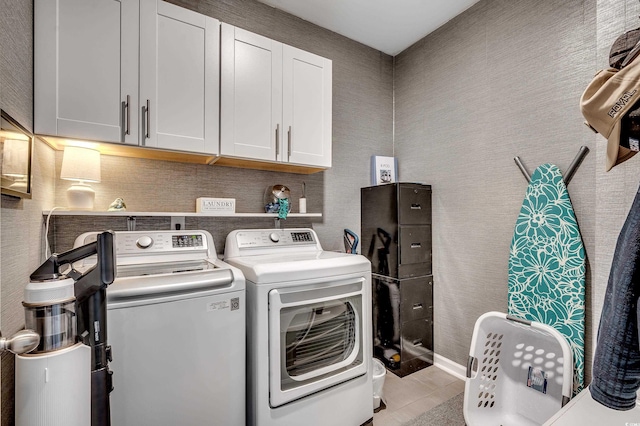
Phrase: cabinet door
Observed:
(251, 95)
(85, 67)
(307, 105)
(178, 78)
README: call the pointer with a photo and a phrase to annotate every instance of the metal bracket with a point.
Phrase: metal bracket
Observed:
(571, 170)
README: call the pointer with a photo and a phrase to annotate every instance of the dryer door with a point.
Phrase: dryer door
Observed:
(315, 338)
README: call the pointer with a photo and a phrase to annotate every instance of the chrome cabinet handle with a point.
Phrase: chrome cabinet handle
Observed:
(277, 139)
(145, 122)
(124, 117)
(128, 115)
(289, 144)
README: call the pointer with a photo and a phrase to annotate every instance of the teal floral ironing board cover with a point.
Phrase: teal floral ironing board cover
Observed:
(547, 263)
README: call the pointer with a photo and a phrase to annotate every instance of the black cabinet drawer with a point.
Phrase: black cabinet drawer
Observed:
(417, 340)
(415, 244)
(416, 298)
(414, 204)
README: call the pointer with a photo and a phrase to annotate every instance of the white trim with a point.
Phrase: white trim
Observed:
(450, 367)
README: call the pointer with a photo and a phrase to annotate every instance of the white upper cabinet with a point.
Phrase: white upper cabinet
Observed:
(275, 101)
(142, 72)
(85, 68)
(179, 78)
(306, 107)
(251, 95)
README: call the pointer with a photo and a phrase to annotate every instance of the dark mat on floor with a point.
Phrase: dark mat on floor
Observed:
(449, 413)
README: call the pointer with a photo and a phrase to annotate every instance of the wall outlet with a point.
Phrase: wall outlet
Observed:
(177, 223)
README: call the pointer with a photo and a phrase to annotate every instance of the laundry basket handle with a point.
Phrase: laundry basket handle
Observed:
(520, 320)
(470, 362)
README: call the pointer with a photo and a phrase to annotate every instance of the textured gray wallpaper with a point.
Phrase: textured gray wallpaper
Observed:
(362, 126)
(16, 60)
(19, 229)
(501, 80)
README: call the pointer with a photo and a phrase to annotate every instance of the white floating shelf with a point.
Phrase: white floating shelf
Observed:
(169, 214)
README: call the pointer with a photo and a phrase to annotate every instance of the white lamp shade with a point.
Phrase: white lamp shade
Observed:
(81, 164)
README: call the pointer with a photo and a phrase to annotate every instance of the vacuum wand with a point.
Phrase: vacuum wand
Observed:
(90, 293)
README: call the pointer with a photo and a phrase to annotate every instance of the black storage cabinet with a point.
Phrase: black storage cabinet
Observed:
(396, 238)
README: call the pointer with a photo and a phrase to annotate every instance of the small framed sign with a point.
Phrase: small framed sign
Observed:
(383, 170)
(215, 205)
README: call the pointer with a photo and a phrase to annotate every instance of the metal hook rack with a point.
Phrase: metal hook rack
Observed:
(571, 170)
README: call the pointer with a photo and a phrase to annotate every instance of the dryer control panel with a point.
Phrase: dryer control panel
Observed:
(271, 240)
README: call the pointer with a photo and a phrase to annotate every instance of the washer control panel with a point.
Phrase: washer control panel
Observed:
(274, 237)
(158, 242)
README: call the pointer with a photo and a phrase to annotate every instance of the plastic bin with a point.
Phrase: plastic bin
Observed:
(379, 371)
(519, 372)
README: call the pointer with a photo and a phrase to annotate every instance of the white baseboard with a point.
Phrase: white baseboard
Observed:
(450, 367)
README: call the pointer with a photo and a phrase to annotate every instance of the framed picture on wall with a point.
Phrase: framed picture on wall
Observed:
(16, 150)
(383, 170)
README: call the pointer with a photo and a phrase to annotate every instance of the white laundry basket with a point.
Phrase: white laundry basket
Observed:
(519, 372)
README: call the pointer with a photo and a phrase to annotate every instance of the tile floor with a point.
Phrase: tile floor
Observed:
(412, 395)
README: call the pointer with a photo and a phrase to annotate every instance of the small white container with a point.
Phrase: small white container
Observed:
(379, 372)
(303, 205)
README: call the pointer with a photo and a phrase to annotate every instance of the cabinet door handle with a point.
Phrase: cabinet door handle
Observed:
(277, 139)
(128, 114)
(145, 122)
(416, 207)
(417, 306)
(125, 117)
(123, 131)
(289, 144)
(416, 245)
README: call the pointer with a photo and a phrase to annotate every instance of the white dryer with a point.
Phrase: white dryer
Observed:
(309, 349)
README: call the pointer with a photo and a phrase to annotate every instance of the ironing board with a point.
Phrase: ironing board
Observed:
(547, 263)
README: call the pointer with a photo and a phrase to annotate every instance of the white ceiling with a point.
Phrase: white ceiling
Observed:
(386, 25)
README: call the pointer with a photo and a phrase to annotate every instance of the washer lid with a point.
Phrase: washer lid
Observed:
(273, 268)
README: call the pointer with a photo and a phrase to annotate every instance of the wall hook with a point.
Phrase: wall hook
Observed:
(571, 170)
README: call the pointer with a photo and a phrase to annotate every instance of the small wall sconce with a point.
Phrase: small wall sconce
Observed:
(81, 165)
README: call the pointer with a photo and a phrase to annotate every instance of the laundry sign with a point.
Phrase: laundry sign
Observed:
(215, 205)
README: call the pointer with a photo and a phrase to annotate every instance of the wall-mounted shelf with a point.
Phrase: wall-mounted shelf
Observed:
(169, 214)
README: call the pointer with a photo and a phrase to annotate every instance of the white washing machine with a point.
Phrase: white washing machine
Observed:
(176, 325)
(309, 349)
